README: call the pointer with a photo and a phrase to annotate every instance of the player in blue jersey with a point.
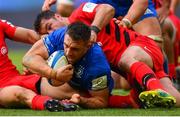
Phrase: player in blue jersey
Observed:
(91, 76)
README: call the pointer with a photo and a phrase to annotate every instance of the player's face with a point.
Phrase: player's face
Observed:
(74, 50)
(49, 25)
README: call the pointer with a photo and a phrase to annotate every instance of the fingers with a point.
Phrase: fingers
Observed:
(26, 71)
(65, 73)
(45, 7)
(75, 98)
(93, 37)
(52, 2)
(47, 4)
(68, 67)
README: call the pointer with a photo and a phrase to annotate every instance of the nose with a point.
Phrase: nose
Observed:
(68, 53)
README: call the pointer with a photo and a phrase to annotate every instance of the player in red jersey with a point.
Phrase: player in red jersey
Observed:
(18, 90)
(125, 50)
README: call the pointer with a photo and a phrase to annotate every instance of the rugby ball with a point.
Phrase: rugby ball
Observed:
(57, 59)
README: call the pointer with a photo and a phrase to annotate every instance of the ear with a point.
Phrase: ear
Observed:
(89, 44)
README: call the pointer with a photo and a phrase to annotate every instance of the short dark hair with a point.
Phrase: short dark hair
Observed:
(42, 15)
(79, 31)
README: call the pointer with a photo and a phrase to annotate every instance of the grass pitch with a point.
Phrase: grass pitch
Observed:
(16, 57)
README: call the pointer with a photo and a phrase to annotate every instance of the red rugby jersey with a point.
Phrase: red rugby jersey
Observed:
(112, 38)
(6, 67)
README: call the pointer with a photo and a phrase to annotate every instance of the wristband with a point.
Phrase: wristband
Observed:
(127, 22)
(95, 29)
(53, 74)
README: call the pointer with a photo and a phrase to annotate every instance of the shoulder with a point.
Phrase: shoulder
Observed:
(59, 31)
(57, 34)
(97, 58)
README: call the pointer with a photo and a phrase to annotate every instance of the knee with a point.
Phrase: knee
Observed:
(10, 95)
(126, 61)
(19, 92)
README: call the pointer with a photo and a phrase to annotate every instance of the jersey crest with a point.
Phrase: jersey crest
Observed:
(89, 7)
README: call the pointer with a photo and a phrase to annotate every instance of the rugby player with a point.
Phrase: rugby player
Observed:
(91, 78)
(18, 90)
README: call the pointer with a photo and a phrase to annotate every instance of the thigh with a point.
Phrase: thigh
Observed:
(58, 92)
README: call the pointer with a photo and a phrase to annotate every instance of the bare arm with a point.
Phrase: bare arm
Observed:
(174, 4)
(47, 4)
(99, 99)
(35, 61)
(136, 10)
(26, 35)
(104, 13)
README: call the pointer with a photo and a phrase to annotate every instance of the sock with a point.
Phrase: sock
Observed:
(38, 102)
(171, 70)
(118, 101)
(145, 76)
(165, 65)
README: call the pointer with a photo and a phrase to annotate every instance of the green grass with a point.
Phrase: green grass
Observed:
(97, 112)
(16, 57)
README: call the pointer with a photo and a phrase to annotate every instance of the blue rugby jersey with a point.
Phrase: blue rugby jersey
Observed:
(92, 72)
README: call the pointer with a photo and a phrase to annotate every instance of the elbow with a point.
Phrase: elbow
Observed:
(25, 60)
(111, 10)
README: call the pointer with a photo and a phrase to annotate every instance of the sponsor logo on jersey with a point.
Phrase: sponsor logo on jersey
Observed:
(3, 50)
(79, 71)
(9, 23)
(89, 7)
(99, 43)
(147, 49)
(148, 11)
(99, 83)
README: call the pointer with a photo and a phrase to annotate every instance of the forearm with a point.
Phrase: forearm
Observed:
(136, 10)
(26, 35)
(104, 14)
(166, 4)
(173, 5)
(37, 64)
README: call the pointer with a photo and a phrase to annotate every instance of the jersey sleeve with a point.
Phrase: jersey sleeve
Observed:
(85, 13)
(99, 73)
(8, 28)
(55, 40)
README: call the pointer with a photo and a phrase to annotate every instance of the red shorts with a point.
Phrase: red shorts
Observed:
(154, 51)
(26, 81)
